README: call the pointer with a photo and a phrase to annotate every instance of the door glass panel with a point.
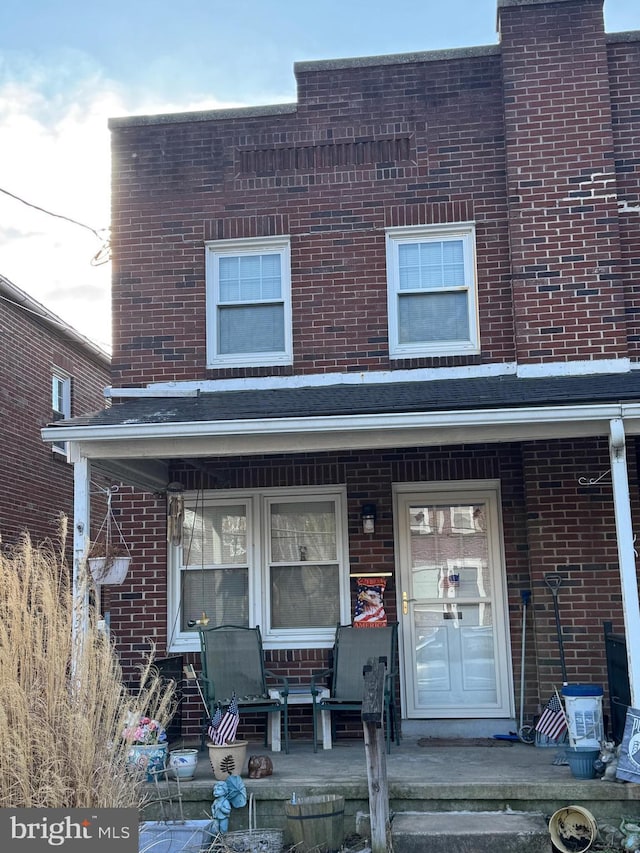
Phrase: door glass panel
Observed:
(452, 618)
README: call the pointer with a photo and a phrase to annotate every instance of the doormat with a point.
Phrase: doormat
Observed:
(459, 741)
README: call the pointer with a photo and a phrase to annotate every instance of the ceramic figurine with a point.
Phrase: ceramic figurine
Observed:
(260, 766)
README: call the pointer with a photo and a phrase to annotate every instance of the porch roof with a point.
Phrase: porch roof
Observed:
(135, 440)
(380, 398)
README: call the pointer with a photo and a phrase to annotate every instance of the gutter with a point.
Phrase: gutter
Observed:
(20, 299)
(137, 432)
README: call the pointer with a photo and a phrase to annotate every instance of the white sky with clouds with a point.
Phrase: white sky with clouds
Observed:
(67, 66)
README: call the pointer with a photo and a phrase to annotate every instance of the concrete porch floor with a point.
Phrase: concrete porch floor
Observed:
(509, 776)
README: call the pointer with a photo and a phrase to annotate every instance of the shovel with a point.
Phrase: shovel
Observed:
(554, 581)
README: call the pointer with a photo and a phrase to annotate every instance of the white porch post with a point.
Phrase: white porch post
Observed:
(81, 517)
(626, 553)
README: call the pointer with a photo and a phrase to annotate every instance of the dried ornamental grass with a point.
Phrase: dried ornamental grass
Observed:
(63, 702)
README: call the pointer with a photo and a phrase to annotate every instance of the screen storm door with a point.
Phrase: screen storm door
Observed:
(453, 610)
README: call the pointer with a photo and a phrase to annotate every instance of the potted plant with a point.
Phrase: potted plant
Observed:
(109, 565)
(226, 754)
(183, 762)
(109, 556)
(148, 746)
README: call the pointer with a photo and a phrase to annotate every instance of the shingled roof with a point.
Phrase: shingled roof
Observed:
(498, 392)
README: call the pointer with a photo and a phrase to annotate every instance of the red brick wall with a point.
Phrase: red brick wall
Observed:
(568, 298)
(182, 183)
(519, 138)
(37, 483)
(552, 525)
(624, 74)
(571, 531)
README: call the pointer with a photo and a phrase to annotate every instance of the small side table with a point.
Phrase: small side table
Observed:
(299, 696)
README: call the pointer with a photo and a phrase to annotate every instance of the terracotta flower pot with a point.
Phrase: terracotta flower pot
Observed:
(227, 760)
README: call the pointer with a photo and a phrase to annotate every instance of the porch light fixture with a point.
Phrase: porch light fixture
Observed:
(368, 515)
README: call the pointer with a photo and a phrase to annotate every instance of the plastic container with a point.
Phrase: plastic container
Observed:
(573, 829)
(583, 705)
(581, 761)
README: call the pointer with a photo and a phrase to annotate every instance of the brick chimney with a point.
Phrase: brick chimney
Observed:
(561, 184)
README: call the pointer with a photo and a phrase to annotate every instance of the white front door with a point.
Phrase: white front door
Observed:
(453, 614)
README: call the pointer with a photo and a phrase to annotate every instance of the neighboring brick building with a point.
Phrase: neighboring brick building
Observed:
(48, 369)
(415, 288)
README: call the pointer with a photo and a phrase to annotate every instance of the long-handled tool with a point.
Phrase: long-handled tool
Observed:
(554, 581)
(526, 734)
(190, 675)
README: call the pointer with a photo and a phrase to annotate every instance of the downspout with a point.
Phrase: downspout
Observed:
(626, 553)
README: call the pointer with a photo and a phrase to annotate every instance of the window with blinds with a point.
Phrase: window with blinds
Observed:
(432, 291)
(275, 558)
(248, 302)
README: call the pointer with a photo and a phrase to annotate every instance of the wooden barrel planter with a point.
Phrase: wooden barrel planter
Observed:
(316, 823)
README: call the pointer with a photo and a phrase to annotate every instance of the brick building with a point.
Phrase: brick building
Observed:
(48, 370)
(410, 295)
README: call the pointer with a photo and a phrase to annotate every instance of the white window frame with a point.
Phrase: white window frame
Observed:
(258, 547)
(395, 237)
(249, 246)
(60, 382)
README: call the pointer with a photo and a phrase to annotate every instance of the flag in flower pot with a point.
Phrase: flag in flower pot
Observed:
(223, 727)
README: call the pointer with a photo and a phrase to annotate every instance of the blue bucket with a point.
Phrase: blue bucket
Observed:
(581, 760)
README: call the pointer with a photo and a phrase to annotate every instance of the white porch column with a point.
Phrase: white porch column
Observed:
(81, 518)
(626, 553)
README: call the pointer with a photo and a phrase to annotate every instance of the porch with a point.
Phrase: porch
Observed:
(496, 777)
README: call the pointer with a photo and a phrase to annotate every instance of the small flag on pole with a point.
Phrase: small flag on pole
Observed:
(225, 731)
(553, 721)
(214, 722)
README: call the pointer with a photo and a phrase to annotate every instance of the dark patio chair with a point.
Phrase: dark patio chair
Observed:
(353, 648)
(232, 660)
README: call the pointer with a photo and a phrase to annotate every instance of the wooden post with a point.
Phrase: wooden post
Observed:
(375, 753)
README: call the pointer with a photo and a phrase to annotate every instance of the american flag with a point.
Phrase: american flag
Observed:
(225, 731)
(553, 721)
(214, 722)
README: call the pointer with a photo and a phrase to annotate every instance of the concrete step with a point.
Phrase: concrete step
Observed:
(470, 832)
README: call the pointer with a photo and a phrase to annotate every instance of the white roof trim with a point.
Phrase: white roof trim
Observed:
(135, 431)
(188, 388)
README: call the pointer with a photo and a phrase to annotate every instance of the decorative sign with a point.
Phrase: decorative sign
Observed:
(369, 611)
(629, 761)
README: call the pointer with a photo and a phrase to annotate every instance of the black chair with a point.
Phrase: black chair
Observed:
(232, 661)
(352, 650)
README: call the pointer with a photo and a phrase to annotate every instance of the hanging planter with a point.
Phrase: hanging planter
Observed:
(109, 569)
(109, 556)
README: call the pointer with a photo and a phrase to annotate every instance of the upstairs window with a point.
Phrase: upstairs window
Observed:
(248, 302)
(61, 404)
(432, 291)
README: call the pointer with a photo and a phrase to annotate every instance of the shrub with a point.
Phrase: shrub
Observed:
(64, 702)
